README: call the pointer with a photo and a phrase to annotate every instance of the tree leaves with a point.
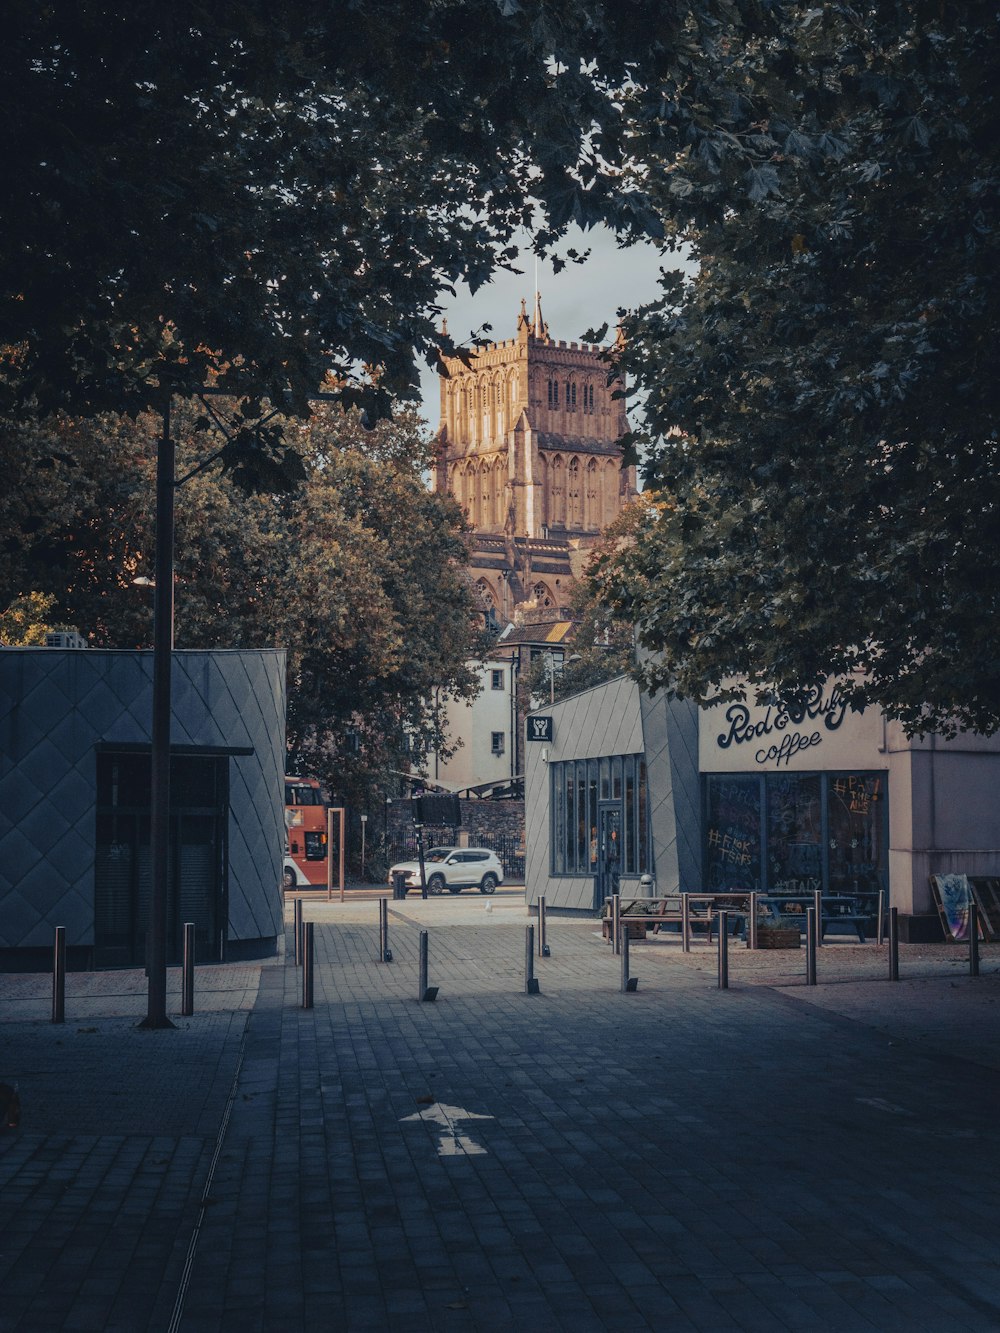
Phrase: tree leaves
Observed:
(359, 574)
(824, 495)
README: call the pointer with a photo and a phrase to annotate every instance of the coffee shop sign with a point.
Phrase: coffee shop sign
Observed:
(784, 731)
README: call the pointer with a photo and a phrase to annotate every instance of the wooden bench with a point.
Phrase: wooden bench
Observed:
(835, 911)
(637, 915)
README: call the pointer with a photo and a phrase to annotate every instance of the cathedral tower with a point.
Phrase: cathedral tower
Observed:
(529, 446)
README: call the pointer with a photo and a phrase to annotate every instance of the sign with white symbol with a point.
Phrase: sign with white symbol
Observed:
(540, 729)
(453, 1143)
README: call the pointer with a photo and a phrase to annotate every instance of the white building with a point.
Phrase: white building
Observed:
(485, 728)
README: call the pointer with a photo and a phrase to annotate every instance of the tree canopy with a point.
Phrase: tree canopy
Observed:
(822, 398)
(269, 197)
(360, 576)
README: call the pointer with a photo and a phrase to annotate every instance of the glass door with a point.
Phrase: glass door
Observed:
(609, 850)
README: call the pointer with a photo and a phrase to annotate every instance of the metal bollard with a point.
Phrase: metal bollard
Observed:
(297, 930)
(187, 971)
(628, 983)
(812, 941)
(723, 950)
(893, 943)
(616, 916)
(426, 992)
(384, 952)
(530, 981)
(307, 965)
(880, 924)
(543, 945)
(752, 923)
(973, 940)
(685, 924)
(59, 976)
(818, 908)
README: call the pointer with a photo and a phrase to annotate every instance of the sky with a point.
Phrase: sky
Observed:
(581, 297)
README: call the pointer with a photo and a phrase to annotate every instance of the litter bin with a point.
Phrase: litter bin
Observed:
(399, 884)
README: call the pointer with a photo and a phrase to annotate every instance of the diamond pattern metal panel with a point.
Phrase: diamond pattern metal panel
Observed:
(662, 814)
(19, 855)
(682, 730)
(56, 706)
(256, 821)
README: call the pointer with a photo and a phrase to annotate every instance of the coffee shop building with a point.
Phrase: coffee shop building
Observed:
(738, 797)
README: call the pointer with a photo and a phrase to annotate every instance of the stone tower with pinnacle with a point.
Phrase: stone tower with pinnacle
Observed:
(529, 446)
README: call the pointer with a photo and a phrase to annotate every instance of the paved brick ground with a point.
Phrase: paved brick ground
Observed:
(771, 1157)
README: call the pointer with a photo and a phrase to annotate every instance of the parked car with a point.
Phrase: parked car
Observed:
(454, 869)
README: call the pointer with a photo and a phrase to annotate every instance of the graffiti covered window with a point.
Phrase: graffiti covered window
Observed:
(796, 832)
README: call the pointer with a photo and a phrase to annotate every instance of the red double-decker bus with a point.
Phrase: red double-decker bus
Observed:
(306, 850)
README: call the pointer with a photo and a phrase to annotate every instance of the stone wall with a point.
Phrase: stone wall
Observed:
(498, 819)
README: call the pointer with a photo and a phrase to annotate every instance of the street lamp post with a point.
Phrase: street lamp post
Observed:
(552, 676)
(563, 661)
(159, 813)
(163, 643)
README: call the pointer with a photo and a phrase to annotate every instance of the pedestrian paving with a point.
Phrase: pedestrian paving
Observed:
(767, 1157)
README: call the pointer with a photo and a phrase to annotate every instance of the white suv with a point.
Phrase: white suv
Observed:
(454, 869)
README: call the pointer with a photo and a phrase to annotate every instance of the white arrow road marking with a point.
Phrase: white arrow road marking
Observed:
(881, 1104)
(453, 1143)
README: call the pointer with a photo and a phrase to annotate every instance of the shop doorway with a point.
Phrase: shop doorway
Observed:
(196, 857)
(609, 851)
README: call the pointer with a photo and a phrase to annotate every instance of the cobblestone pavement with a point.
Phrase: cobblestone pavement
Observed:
(767, 1157)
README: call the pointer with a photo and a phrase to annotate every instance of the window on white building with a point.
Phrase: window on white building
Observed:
(496, 679)
(496, 742)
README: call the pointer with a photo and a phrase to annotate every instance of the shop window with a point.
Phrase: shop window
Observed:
(856, 832)
(630, 848)
(795, 833)
(577, 787)
(582, 827)
(732, 833)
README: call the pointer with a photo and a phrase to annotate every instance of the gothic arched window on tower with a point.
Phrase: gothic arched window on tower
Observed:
(558, 492)
(488, 602)
(571, 395)
(574, 508)
(553, 395)
(610, 489)
(588, 399)
(592, 512)
(499, 489)
(472, 495)
(485, 497)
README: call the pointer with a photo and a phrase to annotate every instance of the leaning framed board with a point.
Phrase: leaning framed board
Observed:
(953, 896)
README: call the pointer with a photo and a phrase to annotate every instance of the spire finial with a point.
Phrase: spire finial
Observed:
(538, 328)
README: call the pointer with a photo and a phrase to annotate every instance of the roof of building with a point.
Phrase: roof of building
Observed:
(557, 631)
